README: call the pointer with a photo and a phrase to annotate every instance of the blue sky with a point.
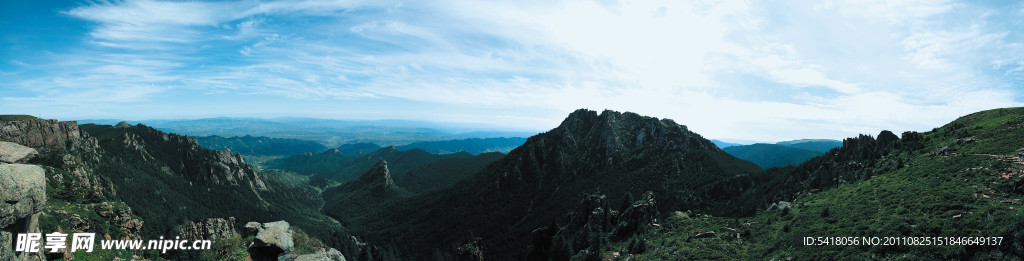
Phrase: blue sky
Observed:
(763, 71)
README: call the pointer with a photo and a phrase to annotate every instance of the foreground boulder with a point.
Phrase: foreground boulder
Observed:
(22, 192)
(273, 241)
(22, 198)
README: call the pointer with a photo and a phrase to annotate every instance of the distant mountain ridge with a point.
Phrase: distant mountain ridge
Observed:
(723, 144)
(783, 153)
(772, 155)
(250, 145)
(472, 145)
(331, 133)
(819, 145)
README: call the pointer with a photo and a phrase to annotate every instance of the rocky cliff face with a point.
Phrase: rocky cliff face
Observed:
(22, 198)
(48, 135)
(209, 229)
(67, 153)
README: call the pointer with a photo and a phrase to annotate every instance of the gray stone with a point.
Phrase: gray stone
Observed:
(705, 234)
(781, 205)
(13, 153)
(252, 228)
(273, 240)
(22, 192)
(278, 234)
(321, 255)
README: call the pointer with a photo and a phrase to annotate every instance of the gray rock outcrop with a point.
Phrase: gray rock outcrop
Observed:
(22, 192)
(276, 234)
(273, 241)
(15, 153)
(321, 255)
(211, 229)
(22, 198)
(781, 205)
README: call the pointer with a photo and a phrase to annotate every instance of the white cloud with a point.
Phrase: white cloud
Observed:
(737, 69)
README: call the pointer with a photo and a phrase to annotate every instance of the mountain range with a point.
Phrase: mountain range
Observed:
(330, 133)
(600, 186)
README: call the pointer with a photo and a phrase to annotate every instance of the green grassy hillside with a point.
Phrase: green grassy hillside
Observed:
(960, 180)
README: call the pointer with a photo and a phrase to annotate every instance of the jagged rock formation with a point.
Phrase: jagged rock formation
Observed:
(372, 190)
(588, 227)
(377, 180)
(210, 229)
(844, 165)
(117, 219)
(22, 198)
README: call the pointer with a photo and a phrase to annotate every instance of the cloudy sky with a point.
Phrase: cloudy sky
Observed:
(764, 70)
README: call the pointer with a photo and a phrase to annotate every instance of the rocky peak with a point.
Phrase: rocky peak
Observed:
(885, 140)
(377, 176)
(579, 119)
(123, 125)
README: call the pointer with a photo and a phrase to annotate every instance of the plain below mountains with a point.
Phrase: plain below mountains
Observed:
(472, 146)
(264, 146)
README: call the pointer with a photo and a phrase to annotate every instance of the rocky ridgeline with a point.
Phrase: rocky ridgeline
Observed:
(22, 198)
(193, 161)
